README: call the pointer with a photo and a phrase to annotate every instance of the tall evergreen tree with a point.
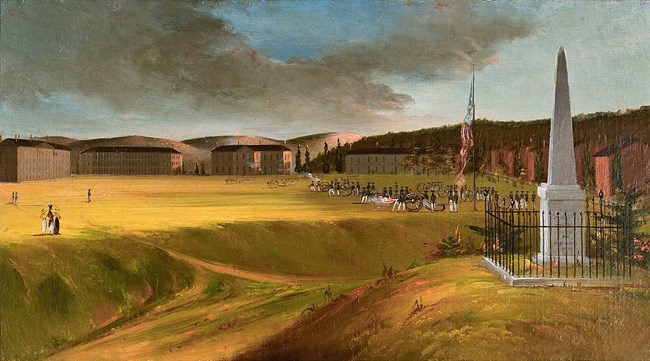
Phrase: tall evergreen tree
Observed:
(307, 167)
(339, 157)
(298, 167)
(326, 160)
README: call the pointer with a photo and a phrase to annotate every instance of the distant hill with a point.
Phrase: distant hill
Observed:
(595, 128)
(57, 139)
(316, 142)
(211, 142)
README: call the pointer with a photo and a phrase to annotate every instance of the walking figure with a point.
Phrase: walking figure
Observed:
(89, 195)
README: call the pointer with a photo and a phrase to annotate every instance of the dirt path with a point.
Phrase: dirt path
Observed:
(253, 276)
(187, 328)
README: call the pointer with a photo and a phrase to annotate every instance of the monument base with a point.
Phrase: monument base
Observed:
(561, 240)
(567, 260)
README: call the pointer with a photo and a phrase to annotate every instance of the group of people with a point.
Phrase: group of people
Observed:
(14, 198)
(50, 221)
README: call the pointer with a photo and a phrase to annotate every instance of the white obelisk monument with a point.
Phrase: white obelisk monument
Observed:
(561, 197)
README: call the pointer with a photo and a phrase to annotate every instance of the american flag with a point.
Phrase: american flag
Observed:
(466, 136)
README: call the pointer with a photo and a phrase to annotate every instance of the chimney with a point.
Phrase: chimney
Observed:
(30, 137)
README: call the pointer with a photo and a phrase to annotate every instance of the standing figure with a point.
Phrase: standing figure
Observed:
(13, 198)
(456, 202)
(433, 201)
(89, 195)
(450, 198)
(57, 223)
(43, 221)
(50, 219)
(402, 201)
(526, 201)
(16, 199)
(517, 201)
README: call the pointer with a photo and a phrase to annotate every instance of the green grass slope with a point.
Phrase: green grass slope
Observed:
(56, 293)
(463, 312)
(356, 247)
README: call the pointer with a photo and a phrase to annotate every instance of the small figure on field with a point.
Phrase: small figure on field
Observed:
(89, 195)
(43, 221)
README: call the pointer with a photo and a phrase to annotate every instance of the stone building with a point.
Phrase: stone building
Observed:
(635, 167)
(24, 160)
(131, 161)
(377, 160)
(251, 159)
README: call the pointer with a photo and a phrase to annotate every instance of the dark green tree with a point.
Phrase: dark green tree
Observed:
(326, 161)
(306, 167)
(298, 167)
(339, 157)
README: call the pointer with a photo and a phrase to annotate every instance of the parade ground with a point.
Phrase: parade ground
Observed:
(211, 268)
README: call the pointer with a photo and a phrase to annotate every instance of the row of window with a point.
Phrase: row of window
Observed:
(247, 157)
(369, 157)
(372, 170)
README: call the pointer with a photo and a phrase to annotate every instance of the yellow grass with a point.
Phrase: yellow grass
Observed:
(162, 203)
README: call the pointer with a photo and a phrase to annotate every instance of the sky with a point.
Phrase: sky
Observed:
(282, 69)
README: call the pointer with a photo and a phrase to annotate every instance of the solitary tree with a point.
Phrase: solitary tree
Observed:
(298, 167)
(326, 161)
(307, 167)
(339, 157)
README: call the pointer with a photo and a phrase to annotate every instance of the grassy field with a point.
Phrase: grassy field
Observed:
(192, 267)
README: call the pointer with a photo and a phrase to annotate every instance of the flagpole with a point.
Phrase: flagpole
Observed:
(473, 132)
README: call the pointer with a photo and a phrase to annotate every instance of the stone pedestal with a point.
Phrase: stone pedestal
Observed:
(561, 240)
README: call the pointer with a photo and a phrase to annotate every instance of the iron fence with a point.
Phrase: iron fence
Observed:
(525, 242)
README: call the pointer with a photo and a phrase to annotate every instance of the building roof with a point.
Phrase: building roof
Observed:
(31, 143)
(118, 149)
(611, 149)
(380, 151)
(255, 147)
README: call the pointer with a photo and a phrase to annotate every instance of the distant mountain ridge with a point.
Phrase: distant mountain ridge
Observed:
(597, 128)
(197, 150)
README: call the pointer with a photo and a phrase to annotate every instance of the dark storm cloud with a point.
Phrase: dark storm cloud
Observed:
(149, 56)
(438, 41)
